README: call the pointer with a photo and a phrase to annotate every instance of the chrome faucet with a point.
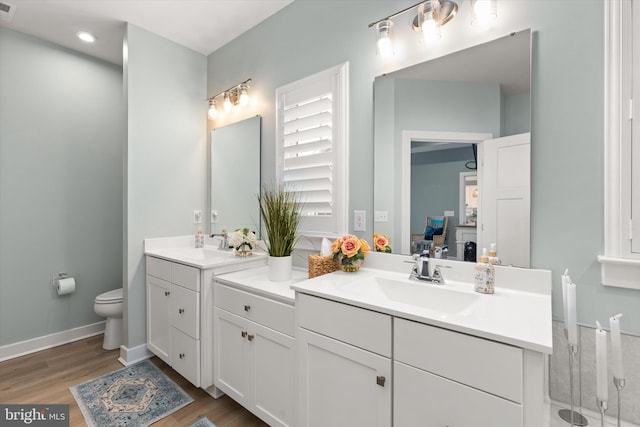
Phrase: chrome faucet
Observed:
(224, 242)
(420, 268)
(437, 277)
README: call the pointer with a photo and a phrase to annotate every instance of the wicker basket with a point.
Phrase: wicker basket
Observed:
(319, 265)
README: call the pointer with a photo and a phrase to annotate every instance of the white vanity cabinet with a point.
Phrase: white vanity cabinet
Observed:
(255, 351)
(344, 365)
(444, 378)
(173, 315)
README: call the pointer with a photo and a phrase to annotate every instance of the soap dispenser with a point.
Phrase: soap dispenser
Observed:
(199, 241)
(493, 255)
(484, 274)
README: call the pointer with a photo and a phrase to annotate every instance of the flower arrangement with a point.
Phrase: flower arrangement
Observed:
(243, 241)
(381, 243)
(351, 251)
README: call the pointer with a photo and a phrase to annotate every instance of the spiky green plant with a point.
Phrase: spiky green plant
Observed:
(280, 210)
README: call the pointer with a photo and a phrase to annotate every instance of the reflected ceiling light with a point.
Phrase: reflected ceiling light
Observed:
(236, 96)
(86, 36)
(483, 12)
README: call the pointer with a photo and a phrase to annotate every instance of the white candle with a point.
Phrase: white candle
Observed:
(601, 364)
(572, 316)
(565, 281)
(616, 346)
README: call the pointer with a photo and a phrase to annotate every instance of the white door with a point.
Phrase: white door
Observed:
(341, 385)
(505, 198)
(232, 356)
(273, 364)
(158, 318)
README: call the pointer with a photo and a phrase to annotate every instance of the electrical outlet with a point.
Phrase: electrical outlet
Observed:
(359, 221)
(381, 216)
(197, 216)
(214, 217)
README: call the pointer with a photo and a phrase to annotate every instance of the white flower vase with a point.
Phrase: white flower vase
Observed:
(280, 268)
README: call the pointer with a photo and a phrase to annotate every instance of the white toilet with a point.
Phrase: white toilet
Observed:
(109, 305)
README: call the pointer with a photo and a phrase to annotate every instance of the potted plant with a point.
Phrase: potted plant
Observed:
(280, 211)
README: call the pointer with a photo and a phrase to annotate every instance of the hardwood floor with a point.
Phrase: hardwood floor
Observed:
(45, 378)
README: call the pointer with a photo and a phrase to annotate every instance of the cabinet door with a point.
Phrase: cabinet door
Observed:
(272, 365)
(185, 355)
(232, 355)
(158, 318)
(185, 310)
(424, 399)
(338, 384)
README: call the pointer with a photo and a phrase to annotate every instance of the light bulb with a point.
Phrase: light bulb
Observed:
(431, 30)
(213, 112)
(385, 45)
(484, 12)
(244, 96)
(227, 102)
(430, 27)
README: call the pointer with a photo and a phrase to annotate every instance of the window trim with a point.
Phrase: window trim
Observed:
(340, 172)
(619, 267)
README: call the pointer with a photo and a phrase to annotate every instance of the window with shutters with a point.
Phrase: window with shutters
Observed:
(311, 144)
(620, 264)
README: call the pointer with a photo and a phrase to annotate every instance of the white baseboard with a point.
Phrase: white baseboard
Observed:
(11, 351)
(129, 356)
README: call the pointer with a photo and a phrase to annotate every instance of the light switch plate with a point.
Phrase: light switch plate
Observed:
(197, 216)
(359, 221)
(449, 213)
(214, 217)
(381, 216)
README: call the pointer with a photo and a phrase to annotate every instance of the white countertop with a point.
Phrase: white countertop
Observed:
(511, 316)
(256, 280)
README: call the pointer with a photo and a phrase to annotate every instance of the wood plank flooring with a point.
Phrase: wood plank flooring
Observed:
(45, 378)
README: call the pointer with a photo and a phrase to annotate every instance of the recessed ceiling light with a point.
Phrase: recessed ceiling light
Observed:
(86, 37)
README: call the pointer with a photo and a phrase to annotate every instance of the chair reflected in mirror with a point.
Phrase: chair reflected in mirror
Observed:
(435, 234)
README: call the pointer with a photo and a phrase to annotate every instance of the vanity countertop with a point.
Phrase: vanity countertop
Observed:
(513, 316)
(181, 249)
(256, 280)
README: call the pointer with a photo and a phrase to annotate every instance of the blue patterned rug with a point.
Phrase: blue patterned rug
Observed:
(135, 396)
(203, 422)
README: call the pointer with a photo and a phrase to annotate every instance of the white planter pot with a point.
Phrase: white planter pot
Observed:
(280, 268)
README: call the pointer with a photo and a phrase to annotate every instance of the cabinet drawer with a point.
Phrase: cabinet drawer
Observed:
(185, 310)
(272, 314)
(186, 276)
(185, 356)
(160, 268)
(363, 328)
(480, 363)
(424, 399)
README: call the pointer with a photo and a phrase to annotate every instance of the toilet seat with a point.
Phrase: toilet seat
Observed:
(110, 297)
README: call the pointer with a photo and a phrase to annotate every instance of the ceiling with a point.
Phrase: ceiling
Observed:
(201, 25)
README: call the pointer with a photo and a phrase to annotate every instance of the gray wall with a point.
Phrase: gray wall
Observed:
(61, 144)
(567, 113)
(165, 89)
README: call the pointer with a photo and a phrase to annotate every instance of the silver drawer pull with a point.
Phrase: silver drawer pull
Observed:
(181, 310)
(181, 356)
(247, 307)
(243, 334)
(250, 337)
(380, 380)
(166, 293)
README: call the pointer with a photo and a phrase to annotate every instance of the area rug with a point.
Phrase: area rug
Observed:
(137, 395)
(203, 422)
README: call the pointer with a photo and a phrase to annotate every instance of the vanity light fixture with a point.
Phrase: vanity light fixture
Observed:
(385, 44)
(483, 12)
(429, 20)
(235, 96)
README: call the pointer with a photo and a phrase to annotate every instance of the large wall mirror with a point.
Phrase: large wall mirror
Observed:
(235, 176)
(452, 139)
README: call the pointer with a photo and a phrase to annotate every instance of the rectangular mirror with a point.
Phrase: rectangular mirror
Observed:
(235, 176)
(463, 113)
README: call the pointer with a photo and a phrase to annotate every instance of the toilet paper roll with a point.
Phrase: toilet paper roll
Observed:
(65, 286)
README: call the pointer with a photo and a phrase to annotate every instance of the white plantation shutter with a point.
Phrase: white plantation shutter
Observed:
(311, 147)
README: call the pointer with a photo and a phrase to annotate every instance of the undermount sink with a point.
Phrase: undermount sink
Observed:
(201, 253)
(425, 295)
